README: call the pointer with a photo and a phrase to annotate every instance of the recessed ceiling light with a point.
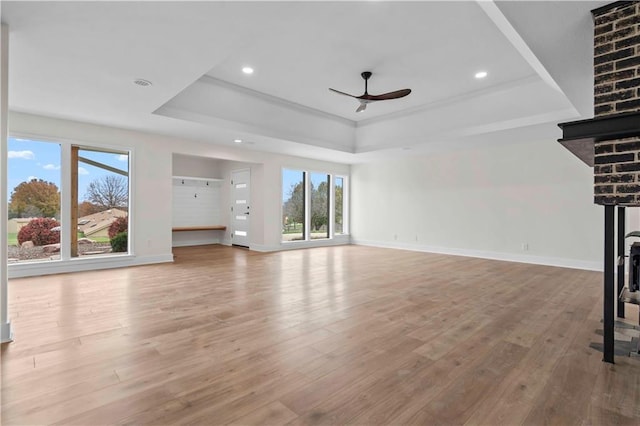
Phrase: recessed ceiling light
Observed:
(481, 74)
(247, 70)
(237, 140)
(142, 82)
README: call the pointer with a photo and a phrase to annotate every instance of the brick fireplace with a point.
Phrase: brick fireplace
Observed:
(610, 142)
(617, 90)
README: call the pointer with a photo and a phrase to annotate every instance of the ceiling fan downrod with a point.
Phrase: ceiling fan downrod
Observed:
(366, 76)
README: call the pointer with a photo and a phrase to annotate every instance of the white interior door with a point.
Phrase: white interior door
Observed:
(240, 207)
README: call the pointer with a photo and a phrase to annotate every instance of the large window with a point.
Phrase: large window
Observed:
(319, 208)
(312, 205)
(339, 205)
(33, 176)
(66, 201)
(102, 199)
(293, 205)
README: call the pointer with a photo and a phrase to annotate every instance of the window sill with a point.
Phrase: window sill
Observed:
(29, 269)
(320, 242)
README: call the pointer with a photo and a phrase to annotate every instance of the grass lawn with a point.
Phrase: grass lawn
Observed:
(292, 228)
(12, 238)
(98, 239)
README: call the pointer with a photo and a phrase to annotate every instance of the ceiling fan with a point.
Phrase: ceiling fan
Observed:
(366, 98)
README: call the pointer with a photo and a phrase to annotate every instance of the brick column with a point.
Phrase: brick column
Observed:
(617, 90)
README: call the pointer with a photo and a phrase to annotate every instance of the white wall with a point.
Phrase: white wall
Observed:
(486, 202)
(5, 324)
(187, 165)
(150, 212)
(266, 187)
(152, 171)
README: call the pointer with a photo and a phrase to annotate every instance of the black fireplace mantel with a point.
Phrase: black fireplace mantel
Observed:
(580, 136)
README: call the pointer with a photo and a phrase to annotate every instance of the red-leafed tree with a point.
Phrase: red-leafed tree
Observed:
(119, 225)
(39, 231)
(86, 208)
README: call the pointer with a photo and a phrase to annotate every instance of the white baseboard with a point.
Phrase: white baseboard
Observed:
(293, 245)
(6, 334)
(30, 269)
(262, 248)
(200, 242)
(507, 257)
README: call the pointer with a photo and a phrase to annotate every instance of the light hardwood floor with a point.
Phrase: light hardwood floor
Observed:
(340, 335)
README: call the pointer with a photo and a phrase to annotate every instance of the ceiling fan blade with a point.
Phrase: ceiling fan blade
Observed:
(386, 96)
(342, 93)
(366, 98)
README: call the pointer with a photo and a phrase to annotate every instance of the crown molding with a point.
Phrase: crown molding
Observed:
(207, 79)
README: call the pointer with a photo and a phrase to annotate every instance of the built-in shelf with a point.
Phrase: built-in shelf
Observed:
(579, 136)
(199, 228)
(198, 178)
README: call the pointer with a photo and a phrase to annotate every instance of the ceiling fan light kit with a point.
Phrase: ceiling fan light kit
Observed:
(366, 98)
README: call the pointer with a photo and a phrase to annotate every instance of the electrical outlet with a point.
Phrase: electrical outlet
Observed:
(525, 246)
(395, 236)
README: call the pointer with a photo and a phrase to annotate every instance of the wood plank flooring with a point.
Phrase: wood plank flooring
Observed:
(338, 335)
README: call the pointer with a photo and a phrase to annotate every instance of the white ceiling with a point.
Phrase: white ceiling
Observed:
(418, 45)
(78, 60)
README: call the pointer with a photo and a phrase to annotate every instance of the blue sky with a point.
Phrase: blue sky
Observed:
(292, 177)
(289, 178)
(28, 159)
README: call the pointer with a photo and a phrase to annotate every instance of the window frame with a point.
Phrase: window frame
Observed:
(23, 269)
(345, 203)
(307, 206)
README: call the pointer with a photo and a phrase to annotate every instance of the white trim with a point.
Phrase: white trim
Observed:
(202, 242)
(339, 240)
(306, 226)
(507, 257)
(65, 201)
(207, 79)
(262, 248)
(131, 201)
(346, 201)
(452, 100)
(503, 24)
(29, 269)
(198, 178)
(6, 333)
(82, 144)
(5, 323)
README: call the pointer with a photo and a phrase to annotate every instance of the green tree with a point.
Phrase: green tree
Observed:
(36, 198)
(339, 209)
(293, 208)
(319, 205)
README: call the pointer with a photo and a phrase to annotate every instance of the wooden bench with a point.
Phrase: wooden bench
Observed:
(199, 228)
